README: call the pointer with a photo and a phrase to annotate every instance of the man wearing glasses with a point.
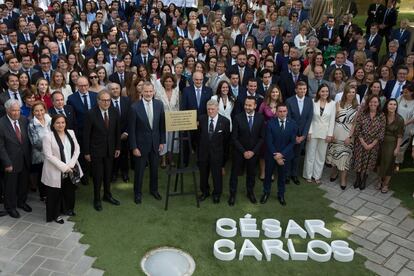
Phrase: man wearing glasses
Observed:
(45, 72)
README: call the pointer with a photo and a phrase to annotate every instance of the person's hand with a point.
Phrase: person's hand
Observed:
(298, 139)
(117, 153)
(396, 151)
(88, 157)
(161, 147)
(8, 169)
(329, 139)
(136, 152)
(347, 141)
(280, 161)
(309, 137)
(68, 170)
(124, 136)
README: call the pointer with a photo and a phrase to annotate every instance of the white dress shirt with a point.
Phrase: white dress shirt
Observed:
(394, 90)
(214, 122)
(300, 103)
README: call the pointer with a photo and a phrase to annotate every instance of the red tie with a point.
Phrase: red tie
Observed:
(18, 133)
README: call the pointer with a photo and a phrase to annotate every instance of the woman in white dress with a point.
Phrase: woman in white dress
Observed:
(300, 40)
(169, 94)
(225, 99)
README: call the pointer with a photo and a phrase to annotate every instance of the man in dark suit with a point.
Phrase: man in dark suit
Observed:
(374, 41)
(146, 131)
(327, 34)
(63, 44)
(251, 91)
(11, 93)
(393, 54)
(339, 63)
(264, 82)
(122, 105)
(344, 30)
(394, 88)
(245, 72)
(314, 83)
(82, 101)
(213, 151)
(46, 69)
(403, 36)
(248, 136)
(232, 10)
(288, 80)
(244, 34)
(125, 9)
(388, 20)
(199, 42)
(280, 141)
(59, 107)
(158, 25)
(97, 45)
(143, 57)
(375, 14)
(236, 89)
(272, 37)
(120, 75)
(15, 158)
(300, 109)
(302, 14)
(102, 143)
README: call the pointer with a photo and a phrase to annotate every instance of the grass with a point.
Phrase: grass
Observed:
(121, 235)
(402, 185)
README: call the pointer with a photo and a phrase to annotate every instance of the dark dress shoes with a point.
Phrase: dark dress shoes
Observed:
(59, 220)
(125, 178)
(264, 198)
(25, 207)
(13, 213)
(111, 200)
(114, 178)
(97, 205)
(281, 200)
(216, 199)
(156, 195)
(287, 181)
(3, 213)
(70, 213)
(232, 200)
(203, 197)
(252, 197)
(295, 180)
(138, 199)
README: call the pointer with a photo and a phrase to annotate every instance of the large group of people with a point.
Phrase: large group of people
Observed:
(86, 84)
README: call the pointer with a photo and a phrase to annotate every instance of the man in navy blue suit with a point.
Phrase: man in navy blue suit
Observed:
(374, 41)
(280, 141)
(146, 130)
(403, 36)
(300, 109)
(245, 72)
(394, 88)
(143, 57)
(59, 107)
(199, 42)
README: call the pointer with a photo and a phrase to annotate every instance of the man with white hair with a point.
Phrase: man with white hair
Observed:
(15, 158)
(393, 54)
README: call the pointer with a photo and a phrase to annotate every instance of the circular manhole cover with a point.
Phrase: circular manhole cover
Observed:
(167, 261)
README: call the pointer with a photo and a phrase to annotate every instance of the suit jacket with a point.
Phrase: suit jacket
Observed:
(245, 139)
(389, 87)
(238, 40)
(70, 116)
(313, 87)
(4, 97)
(303, 120)
(281, 141)
(215, 149)
(198, 44)
(12, 152)
(286, 84)
(39, 74)
(140, 134)
(98, 140)
(376, 42)
(125, 105)
(91, 51)
(239, 105)
(377, 17)
(212, 83)
(324, 33)
(323, 125)
(21, 37)
(268, 39)
(115, 78)
(403, 40)
(76, 102)
(329, 70)
(138, 60)
(390, 20)
(189, 99)
(247, 75)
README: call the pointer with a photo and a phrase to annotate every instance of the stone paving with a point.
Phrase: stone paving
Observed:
(30, 246)
(382, 228)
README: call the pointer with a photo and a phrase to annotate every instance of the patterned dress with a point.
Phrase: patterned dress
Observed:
(369, 130)
(339, 155)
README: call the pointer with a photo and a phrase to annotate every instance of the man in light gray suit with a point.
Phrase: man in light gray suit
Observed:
(146, 139)
(219, 76)
(313, 84)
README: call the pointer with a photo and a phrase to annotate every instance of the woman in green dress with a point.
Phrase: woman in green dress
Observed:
(390, 146)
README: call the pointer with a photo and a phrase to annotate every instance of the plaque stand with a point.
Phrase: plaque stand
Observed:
(180, 169)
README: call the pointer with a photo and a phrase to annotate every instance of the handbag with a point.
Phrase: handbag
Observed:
(75, 175)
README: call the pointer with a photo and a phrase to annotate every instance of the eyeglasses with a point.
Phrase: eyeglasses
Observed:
(310, 52)
(93, 77)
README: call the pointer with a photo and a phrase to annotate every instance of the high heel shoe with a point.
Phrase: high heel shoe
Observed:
(363, 182)
(357, 180)
(333, 179)
(342, 187)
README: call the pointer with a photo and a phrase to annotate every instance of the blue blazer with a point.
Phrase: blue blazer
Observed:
(198, 44)
(303, 120)
(189, 99)
(281, 141)
(388, 88)
(140, 134)
(402, 40)
(137, 60)
(76, 102)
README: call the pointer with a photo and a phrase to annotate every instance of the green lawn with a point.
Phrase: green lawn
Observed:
(120, 236)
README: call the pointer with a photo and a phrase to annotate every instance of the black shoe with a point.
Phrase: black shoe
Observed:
(203, 197)
(363, 182)
(97, 205)
(59, 220)
(70, 213)
(125, 178)
(13, 213)
(295, 180)
(138, 199)
(232, 199)
(111, 200)
(357, 181)
(281, 200)
(343, 187)
(3, 213)
(43, 198)
(114, 177)
(216, 199)
(252, 197)
(25, 207)
(156, 195)
(333, 179)
(264, 198)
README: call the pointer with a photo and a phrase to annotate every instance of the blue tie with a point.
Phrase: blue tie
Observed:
(397, 94)
(250, 122)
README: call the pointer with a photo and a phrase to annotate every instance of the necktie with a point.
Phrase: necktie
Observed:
(198, 95)
(60, 112)
(243, 40)
(27, 38)
(370, 39)
(47, 77)
(121, 79)
(330, 33)
(398, 92)
(385, 15)
(113, 64)
(241, 73)
(250, 122)
(18, 133)
(282, 124)
(106, 119)
(295, 78)
(319, 83)
(15, 96)
(117, 107)
(149, 114)
(273, 40)
(85, 102)
(211, 129)
(265, 88)
(145, 60)
(62, 48)
(401, 33)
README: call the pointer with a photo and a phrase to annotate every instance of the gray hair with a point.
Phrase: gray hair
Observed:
(111, 84)
(212, 102)
(395, 43)
(103, 92)
(11, 102)
(148, 83)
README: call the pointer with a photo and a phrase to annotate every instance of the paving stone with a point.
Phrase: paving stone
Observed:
(385, 218)
(407, 224)
(22, 240)
(17, 229)
(7, 221)
(386, 248)
(411, 237)
(410, 265)
(362, 213)
(59, 274)
(360, 232)
(7, 253)
(57, 265)
(348, 227)
(26, 253)
(94, 272)
(35, 261)
(406, 253)
(42, 272)
(45, 240)
(341, 208)
(385, 196)
(9, 267)
(395, 230)
(4, 229)
(51, 253)
(370, 255)
(378, 208)
(76, 253)
(396, 262)
(370, 224)
(378, 269)
(400, 241)
(378, 235)
(39, 229)
(5, 242)
(26, 270)
(70, 242)
(363, 242)
(83, 265)
(350, 219)
(406, 272)
(400, 213)
(371, 198)
(355, 203)
(391, 203)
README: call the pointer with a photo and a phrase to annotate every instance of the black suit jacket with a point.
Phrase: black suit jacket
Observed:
(286, 84)
(189, 99)
(377, 17)
(389, 21)
(245, 139)
(323, 34)
(329, 70)
(12, 152)
(70, 116)
(376, 42)
(125, 104)
(115, 78)
(247, 75)
(98, 140)
(214, 150)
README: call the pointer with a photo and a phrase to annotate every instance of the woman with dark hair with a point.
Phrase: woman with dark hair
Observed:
(75, 48)
(189, 64)
(28, 101)
(317, 60)
(211, 65)
(376, 90)
(385, 74)
(24, 81)
(75, 36)
(89, 65)
(226, 100)
(61, 151)
(94, 84)
(127, 58)
(143, 73)
(390, 147)
(206, 48)
(94, 29)
(252, 62)
(100, 60)
(225, 53)
(123, 47)
(130, 84)
(336, 82)
(340, 149)
(320, 134)
(282, 59)
(73, 78)
(368, 134)
(154, 68)
(102, 74)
